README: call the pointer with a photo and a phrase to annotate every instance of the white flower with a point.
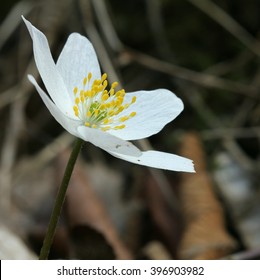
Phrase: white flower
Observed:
(81, 101)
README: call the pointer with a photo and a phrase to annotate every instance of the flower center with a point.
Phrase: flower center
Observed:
(98, 107)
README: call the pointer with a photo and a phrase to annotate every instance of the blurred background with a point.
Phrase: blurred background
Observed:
(205, 51)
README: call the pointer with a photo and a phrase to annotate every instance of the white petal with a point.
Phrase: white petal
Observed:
(108, 142)
(69, 124)
(48, 71)
(154, 109)
(76, 60)
(160, 160)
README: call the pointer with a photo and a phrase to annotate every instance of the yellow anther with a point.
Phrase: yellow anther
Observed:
(133, 99)
(76, 110)
(94, 126)
(89, 76)
(120, 93)
(102, 107)
(114, 85)
(121, 108)
(75, 90)
(104, 76)
(77, 100)
(123, 119)
(118, 103)
(100, 88)
(106, 128)
(104, 84)
(105, 97)
(95, 88)
(96, 83)
(85, 81)
(106, 121)
(96, 112)
(87, 124)
(92, 93)
(112, 91)
(111, 113)
(119, 100)
(89, 114)
(119, 126)
(132, 114)
(82, 99)
(88, 93)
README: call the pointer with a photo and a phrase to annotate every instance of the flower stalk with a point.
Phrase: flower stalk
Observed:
(45, 250)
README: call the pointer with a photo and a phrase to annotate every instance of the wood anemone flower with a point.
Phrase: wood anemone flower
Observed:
(81, 100)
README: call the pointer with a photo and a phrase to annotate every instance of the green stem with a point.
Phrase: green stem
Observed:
(59, 201)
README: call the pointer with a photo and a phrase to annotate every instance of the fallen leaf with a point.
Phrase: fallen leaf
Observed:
(205, 235)
(165, 220)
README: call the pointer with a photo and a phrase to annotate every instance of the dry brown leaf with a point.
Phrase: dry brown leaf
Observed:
(165, 220)
(86, 211)
(205, 235)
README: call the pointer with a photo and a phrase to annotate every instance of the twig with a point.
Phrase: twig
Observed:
(240, 132)
(9, 148)
(202, 79)
(226, 21)
(106, 25)
(13, 20)
(227, 66)
(48, 153)
(157, 27)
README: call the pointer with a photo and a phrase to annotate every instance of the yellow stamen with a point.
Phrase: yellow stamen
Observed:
(75, 90)
(114, 85)
(111, 113)
(104, 84)
(132, 114)
(106, 128)
(123, 119)
(119, 126)
(102, 107)
(133, 99)
(105, 97)
(104, 76)
(77, 100)
(99, 108)
(76, 110)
